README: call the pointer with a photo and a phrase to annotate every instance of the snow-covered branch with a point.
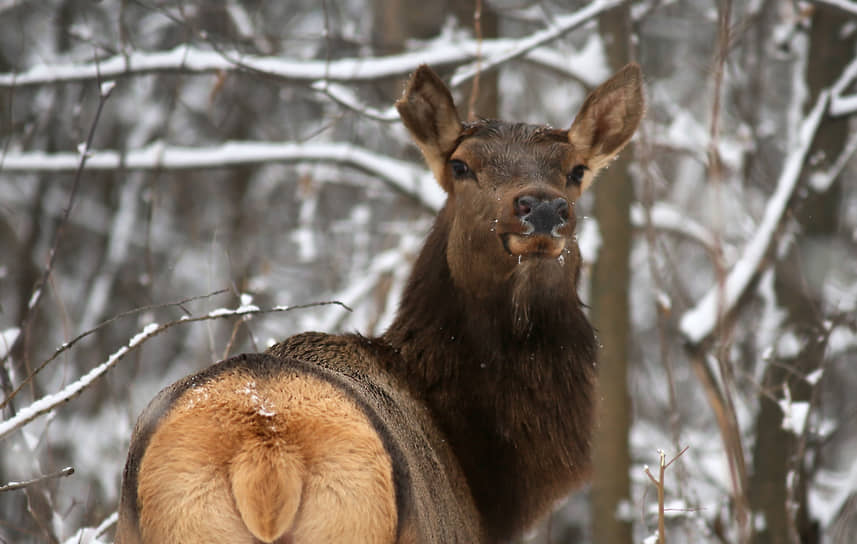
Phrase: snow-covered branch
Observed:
(699, 322)
(844, 104)
(50, 402)
(190, 59)
(670, 219)
(561, 25)
(403, 176)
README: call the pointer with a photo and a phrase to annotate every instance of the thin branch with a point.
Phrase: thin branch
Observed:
(68, 345)
(474, 90)
(67, 471)
(80, 162)
(50, 402)
(663, 465)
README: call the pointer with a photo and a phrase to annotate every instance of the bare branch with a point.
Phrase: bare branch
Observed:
(68, 345)
(67, 471)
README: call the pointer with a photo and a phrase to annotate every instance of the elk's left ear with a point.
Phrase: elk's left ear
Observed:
(608, 118)
(429, 113)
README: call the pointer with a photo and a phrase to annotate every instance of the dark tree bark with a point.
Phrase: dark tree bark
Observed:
(799, 279)
(396, 21)
(611, 277)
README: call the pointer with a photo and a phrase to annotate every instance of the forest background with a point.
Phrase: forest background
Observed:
(178, 178)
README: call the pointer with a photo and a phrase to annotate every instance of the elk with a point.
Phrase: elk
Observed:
(464, 422)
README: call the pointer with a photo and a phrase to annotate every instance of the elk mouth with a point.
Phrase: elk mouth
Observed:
(543, 246)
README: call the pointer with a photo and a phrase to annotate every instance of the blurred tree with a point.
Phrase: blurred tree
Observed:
(611, 277)
(778, 498)
(396, 21)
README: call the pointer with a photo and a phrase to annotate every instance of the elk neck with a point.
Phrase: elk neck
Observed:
(515, 402)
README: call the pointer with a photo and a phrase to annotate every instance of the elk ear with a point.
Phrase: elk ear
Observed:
(428, 111)
(608, 118)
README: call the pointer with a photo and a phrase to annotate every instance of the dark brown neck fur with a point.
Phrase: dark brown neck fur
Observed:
(515, 400)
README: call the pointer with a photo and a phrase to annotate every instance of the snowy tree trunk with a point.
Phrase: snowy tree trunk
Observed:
(779, 482)
(614, 193)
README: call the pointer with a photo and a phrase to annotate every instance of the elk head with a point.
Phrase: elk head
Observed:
(512, 187)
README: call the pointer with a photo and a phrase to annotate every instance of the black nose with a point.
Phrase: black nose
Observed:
(542, 215)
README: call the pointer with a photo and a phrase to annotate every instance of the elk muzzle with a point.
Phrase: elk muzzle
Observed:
(541, 216)
(544, 222)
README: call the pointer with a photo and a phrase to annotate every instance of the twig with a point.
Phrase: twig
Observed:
(67, 471)
(49, 402)
(659, 484)
(68, 345)
(474, 89)
(104, 90)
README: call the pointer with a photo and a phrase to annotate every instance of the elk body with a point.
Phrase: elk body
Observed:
(464, 422)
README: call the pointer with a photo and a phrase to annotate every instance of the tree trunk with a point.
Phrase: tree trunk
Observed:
(799, 279)
(614, 193)
(396, 21)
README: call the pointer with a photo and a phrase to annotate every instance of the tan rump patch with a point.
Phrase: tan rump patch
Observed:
(292, 458)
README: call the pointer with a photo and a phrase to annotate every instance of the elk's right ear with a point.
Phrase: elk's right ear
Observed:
(429, 113)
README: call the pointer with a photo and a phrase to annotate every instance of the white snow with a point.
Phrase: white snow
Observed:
(700, 321)
(7, 339)
(401, 175)
(794, 416)
(191, 59)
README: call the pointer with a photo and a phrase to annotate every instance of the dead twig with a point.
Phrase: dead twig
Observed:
(659, 484)
(61, 473)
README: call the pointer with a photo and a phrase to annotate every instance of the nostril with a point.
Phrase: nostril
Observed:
(524, 205)
(560, 205)
(542, 215)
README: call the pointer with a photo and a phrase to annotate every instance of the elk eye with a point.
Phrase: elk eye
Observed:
(575, 177)
(460, 169)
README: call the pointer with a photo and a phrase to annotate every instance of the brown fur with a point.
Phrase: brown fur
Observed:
(464, 422)
(255, 451)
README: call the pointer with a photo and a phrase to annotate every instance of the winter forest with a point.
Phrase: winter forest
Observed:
(181, 181)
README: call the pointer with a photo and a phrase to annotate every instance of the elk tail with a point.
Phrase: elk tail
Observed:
(267, 484)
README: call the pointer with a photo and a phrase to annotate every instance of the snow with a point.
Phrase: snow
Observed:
(560, 24)
(7, 340)
(147, 331)
(48, 402)
(191, 59)
(699, 322)
(667, 217)
(794, 416)
(94, 535)
(401, 175)
(589, 239)
(243, 309)
(106, 88)
(813, 377)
